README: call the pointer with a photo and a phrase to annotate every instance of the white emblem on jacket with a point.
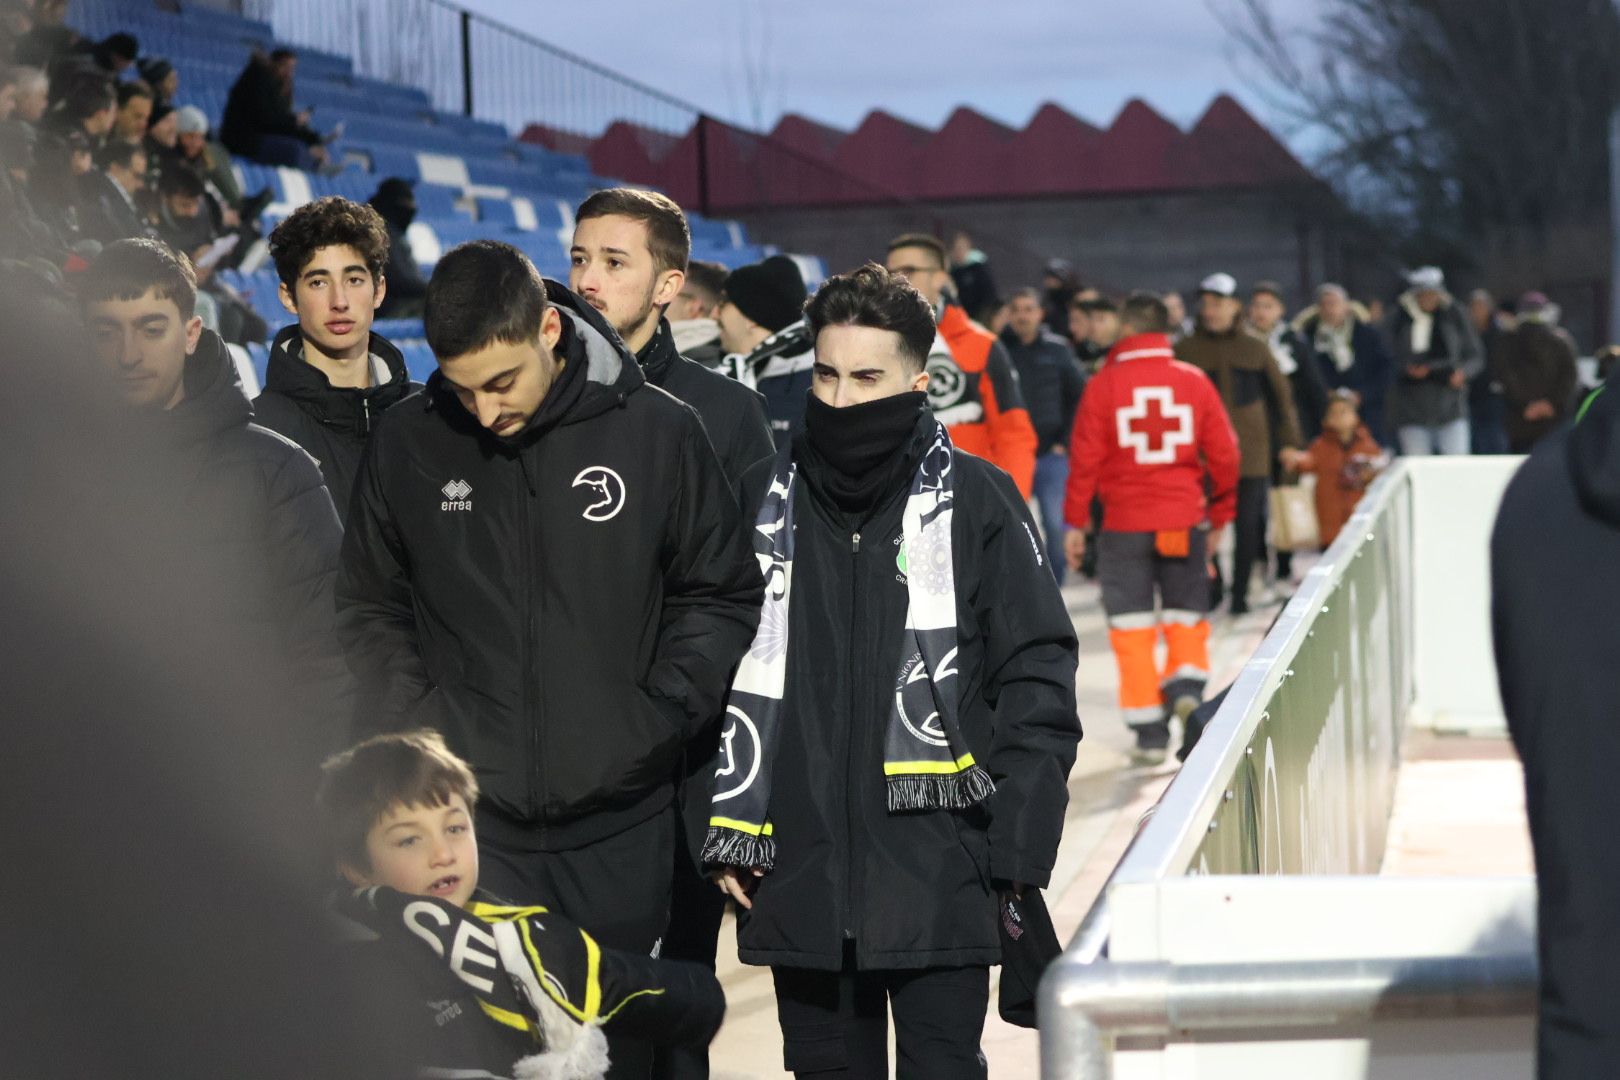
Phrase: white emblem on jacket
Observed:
(608, 488)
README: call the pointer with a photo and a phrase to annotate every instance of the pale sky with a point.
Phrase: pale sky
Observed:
(833, 60)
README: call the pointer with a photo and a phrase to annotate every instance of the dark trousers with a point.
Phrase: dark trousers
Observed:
(835, 1024)
(1249, 535)
(616, 889)
(696, 909)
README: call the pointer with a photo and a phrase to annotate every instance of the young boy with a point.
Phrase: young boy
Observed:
(330, 377)
(1345, 460)
(482, 988)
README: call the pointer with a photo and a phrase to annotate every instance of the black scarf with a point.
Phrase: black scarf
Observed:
(856, 455)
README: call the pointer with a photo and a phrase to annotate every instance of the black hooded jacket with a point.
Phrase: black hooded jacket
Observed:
(331, 422)
(911, 890)
(565, 605)
(1555, 587)
(261, 498)
(732, 414)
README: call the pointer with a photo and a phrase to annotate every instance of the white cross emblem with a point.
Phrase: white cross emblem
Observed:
(1155, 434)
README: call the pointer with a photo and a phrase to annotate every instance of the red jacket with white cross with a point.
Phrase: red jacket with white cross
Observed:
(1148, 432)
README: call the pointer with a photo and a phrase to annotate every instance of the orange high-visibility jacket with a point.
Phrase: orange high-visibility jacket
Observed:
(979, 401)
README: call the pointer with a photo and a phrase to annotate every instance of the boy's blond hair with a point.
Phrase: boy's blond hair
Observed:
(360, 785)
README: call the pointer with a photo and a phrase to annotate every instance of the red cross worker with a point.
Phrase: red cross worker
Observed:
(1154, 449)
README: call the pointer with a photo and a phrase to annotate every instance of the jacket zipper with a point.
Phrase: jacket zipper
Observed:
(365, 409)
(530, 633)
(851, 781)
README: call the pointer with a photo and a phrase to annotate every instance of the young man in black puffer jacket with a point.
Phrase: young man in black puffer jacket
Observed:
(250, 489)
(330, 378)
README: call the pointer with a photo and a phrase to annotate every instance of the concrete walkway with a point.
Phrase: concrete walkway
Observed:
(1107, 799)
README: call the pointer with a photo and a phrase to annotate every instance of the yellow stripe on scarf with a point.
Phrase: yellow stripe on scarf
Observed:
(909, 768)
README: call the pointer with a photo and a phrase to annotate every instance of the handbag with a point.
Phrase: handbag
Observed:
(1293, 518)
(1029, 944)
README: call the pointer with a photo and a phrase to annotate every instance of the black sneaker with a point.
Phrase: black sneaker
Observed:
(1152, 743)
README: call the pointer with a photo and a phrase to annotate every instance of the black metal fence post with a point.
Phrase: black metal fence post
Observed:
(466, 63)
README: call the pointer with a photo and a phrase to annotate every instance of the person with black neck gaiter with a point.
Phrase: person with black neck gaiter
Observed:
(913, 674)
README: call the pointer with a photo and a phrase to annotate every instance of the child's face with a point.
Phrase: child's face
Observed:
(423, 851)
(1342, 419)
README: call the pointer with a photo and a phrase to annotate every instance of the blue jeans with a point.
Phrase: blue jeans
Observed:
(1051, 485)
(1419, 440)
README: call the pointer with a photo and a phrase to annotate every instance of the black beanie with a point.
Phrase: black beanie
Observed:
(771, 293)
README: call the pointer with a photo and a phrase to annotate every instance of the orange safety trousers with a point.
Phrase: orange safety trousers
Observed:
(1142, 680)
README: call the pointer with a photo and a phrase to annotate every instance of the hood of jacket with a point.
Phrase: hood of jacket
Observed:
(345, 408)
(214, 401)
(658, 356)
(598, 374)
(1594, 454)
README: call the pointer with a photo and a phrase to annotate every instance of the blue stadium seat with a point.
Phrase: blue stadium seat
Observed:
(419, 359)
(497, 212)
(397, 330)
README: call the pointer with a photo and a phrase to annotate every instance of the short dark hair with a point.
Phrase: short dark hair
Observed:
(128, 269)
(360, 785)
(134, 89)
(1092, 305)
(1145, 312)
(119, 153)
(328, 222)
(87, 94)
(669, 238)
(123, 46)
(921, 240)
(181, 181)
(708, 277)
(871, 296)
(1267, 288)
(283, 53)
(1026, 292)
(481, 293)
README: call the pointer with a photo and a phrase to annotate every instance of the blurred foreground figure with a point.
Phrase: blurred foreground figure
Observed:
(166, 931)
(1554, 590)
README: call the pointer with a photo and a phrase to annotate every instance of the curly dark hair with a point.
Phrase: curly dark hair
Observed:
(871, 296)
(328, 222)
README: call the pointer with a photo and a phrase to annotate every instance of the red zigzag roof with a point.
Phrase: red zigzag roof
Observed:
(803, 162)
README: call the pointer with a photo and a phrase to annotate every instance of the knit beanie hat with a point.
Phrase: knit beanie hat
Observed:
(192, 121)
(771, 293)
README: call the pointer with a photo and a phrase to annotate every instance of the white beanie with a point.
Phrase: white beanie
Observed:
(190, 120)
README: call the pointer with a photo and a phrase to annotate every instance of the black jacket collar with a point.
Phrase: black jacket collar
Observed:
(344, 408)
(659, 356)
(214, 401)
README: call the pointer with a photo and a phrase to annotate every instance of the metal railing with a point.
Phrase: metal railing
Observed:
(1294, 775)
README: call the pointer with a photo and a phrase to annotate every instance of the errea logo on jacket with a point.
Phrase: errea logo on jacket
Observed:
(456, 496)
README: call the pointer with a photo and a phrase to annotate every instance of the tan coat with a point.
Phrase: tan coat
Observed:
(1253, 388)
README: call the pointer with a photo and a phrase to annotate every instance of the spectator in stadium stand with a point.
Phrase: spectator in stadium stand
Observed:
(43, 39)
(1538, 374)
(259, 121)
(184, 226)
(1350, 351)
(626, 260)
(1052, 383)
(24, 232)
(1487, 413)
(1059, 285)
(972, 386)
(134, 110)
(1254, 390)
(107, 206)
(31, 88)
(691, 313)
(251, 489)
(62, 167)
(208, 159)
(114, 54)
(395, 201)
(331, 377)
(88, 105)
(1102, 330)
(1152, 437)
(1436, 353)
(545, 563)
(1180, 324)
(975, 286)
(162, 76)
(870, 860)
(761, 319)
(1555, 585)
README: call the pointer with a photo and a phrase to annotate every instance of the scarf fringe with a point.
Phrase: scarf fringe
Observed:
(584, 1058)
(966, 788)
(728, 847)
